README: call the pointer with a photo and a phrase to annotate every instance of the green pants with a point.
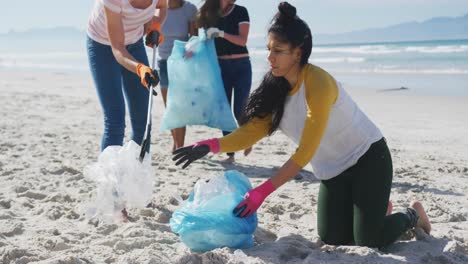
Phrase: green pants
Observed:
(352, 205)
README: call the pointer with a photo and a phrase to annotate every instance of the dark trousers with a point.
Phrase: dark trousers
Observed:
(352, 205)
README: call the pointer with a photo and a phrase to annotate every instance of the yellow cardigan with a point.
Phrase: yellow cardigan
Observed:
(321, 93)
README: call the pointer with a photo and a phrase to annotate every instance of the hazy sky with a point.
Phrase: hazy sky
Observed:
(323, 16)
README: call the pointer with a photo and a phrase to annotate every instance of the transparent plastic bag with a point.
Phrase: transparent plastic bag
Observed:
(121, 181)
(196, 93)
(205, 221)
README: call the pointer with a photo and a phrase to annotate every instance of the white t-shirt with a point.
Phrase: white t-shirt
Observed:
(349, 133)
(133, 20)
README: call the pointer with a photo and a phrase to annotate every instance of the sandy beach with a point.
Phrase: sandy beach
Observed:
(51, 125)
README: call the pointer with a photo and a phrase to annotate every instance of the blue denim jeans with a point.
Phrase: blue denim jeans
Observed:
(237, 77)
(116, 86)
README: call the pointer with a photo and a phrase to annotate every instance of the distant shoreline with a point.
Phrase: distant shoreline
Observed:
(389, 42)
(371, 43)
(72, 33)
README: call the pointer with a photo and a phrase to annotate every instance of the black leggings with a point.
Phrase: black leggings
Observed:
(352, 205)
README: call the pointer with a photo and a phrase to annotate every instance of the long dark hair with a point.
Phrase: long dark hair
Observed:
(209, 14)
(270, 96)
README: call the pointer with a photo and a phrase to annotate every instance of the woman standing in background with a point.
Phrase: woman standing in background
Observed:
(229, 24)
(178, 25)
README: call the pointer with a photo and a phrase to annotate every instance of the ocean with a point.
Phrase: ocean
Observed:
(423, 67)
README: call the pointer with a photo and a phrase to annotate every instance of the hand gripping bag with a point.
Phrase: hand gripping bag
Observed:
(205, 221)
(196, 93)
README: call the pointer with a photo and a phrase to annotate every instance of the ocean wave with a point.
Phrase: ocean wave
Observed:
(370, 49)
(391, 49)
(389, 70)
(42, 66)
(383, 69)
(365, 49)
(43, 55)
(339, 60)
(261, 55)
(438, 49)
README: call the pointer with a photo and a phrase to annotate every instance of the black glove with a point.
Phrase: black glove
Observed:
(152, 38)
(153, 81)
(189, 154)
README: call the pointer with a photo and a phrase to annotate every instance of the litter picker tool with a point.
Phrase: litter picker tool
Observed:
(154, 36)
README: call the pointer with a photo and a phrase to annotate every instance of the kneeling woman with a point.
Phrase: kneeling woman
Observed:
(346, 150)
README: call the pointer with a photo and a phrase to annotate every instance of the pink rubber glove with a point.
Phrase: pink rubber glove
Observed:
(253, 199)
(213, 143)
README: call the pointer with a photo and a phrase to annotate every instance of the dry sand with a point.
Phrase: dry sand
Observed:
(50, 130)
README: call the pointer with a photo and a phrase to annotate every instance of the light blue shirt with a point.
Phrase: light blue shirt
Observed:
(176, 27)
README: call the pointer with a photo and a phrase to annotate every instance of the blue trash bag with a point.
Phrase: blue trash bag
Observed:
(205, 221)
(196, 93)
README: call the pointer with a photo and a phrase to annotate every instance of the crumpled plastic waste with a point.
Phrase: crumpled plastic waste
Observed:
(122, 181)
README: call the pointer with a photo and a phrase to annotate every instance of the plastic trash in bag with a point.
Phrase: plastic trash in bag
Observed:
(196, 95)
(122, 181)
(205, 221)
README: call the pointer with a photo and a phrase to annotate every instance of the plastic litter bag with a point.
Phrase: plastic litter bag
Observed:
(205, 221)
(196, 93)
(122, 181)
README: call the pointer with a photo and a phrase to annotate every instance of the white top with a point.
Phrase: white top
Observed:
(348, 135)
(133, 20)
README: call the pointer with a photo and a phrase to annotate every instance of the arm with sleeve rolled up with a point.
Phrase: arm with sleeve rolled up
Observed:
(319, 103)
